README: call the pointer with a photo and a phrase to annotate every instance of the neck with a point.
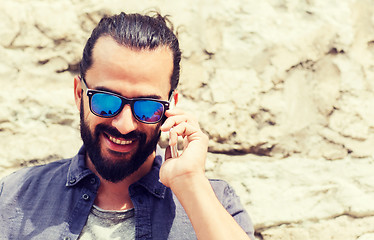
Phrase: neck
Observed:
(115, 196)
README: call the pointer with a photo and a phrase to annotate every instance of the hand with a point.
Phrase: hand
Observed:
(191, 162)
(185, 175)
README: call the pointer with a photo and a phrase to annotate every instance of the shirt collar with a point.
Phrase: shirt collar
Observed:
(151, 182)
(78, 169)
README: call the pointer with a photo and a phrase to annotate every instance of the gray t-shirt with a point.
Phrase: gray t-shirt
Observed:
(106, 224)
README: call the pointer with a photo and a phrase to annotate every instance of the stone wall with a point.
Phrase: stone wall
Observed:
(288, 85)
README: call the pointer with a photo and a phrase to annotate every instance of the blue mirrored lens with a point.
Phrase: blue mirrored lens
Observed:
(105, 105)
(148, 111)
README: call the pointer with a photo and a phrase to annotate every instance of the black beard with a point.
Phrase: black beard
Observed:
(115, 171)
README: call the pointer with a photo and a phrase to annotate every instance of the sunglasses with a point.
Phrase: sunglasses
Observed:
(107, 105)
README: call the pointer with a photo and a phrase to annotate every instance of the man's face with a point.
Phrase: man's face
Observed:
(119, 146)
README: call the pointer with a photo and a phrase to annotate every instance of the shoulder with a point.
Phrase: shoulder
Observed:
(226, 195)
(231, 202)
(33, 175)
(222, 189)
(25, 173)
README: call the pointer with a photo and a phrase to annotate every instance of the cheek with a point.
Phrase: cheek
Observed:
(150, 130)
(89, 118)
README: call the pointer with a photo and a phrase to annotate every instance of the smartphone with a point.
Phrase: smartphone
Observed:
(174, 150)
(173, 102)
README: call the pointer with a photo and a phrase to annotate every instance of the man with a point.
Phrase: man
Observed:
(117, 187)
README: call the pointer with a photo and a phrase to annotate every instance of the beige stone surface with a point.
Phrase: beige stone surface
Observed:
(288, 85)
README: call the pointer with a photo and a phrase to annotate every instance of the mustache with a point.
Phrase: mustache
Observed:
(115, 133)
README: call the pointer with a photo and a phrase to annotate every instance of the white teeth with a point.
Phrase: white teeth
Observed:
(117, 141)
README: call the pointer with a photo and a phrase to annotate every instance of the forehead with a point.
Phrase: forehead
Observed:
(130, 71)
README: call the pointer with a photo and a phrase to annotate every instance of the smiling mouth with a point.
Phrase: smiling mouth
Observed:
(119, 141)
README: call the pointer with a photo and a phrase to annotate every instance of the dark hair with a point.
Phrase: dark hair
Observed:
(139, 32)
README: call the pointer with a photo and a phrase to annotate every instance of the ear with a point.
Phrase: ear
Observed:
(77, 91)
(175, 96)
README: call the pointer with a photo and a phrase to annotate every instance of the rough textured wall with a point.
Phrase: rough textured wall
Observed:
(284, 78)
(273, 78)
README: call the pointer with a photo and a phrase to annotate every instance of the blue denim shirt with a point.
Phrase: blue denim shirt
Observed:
(53, 201)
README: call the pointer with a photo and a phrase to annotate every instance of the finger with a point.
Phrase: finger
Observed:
(173, 137)
(184, 130)
(174, 112)
(185, 143)
(180, 112)
(178, 119)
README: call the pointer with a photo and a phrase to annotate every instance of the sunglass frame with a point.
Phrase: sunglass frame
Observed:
(131, 101)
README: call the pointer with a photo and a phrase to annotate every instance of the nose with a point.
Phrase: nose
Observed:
(125, 122)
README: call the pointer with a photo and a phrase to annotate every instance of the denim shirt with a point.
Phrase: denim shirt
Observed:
(53, 201)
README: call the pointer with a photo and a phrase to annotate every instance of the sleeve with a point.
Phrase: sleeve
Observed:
(1, 187)
(231, 202)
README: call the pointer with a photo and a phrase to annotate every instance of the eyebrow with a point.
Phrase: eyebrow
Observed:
(117, 93)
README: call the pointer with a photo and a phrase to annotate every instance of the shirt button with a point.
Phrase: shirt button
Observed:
(67, 238)
(93, 181)
(85, 197)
